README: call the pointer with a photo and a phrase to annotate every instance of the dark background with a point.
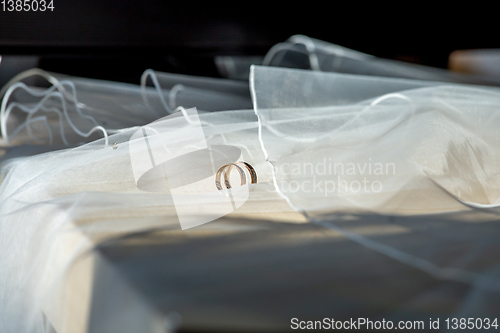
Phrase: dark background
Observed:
(118, 40)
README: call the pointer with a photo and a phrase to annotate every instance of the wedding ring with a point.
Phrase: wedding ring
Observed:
(226, 169)
(251, 171)
(226, 180)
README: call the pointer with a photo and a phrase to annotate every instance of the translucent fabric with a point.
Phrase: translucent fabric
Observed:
(48, 200)
(71, 110)
(206, 94)
(236, 67)
(346, 149)
(308, 53)
(74, 110)
(402, 167)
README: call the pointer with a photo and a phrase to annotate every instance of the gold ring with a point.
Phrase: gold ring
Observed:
(226, 180)
(251, 170)
(227, 172)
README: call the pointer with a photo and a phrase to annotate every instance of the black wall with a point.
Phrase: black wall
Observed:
(119, 39)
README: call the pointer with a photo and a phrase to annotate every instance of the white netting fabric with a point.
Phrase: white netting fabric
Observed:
(406, 168)
(206, 94)
(71, 110)
(49, 200)
(346, 149)
(300, 51)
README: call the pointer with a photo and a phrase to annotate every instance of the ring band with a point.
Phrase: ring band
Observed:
(226, 180)
(251, 171)
(226, 169)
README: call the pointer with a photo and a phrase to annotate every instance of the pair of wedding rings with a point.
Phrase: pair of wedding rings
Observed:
(226, 171)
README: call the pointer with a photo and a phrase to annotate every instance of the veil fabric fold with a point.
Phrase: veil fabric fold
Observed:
(406, 168)
(372, 157)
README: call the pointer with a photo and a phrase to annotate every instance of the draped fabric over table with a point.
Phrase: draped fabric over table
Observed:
(403, 168)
